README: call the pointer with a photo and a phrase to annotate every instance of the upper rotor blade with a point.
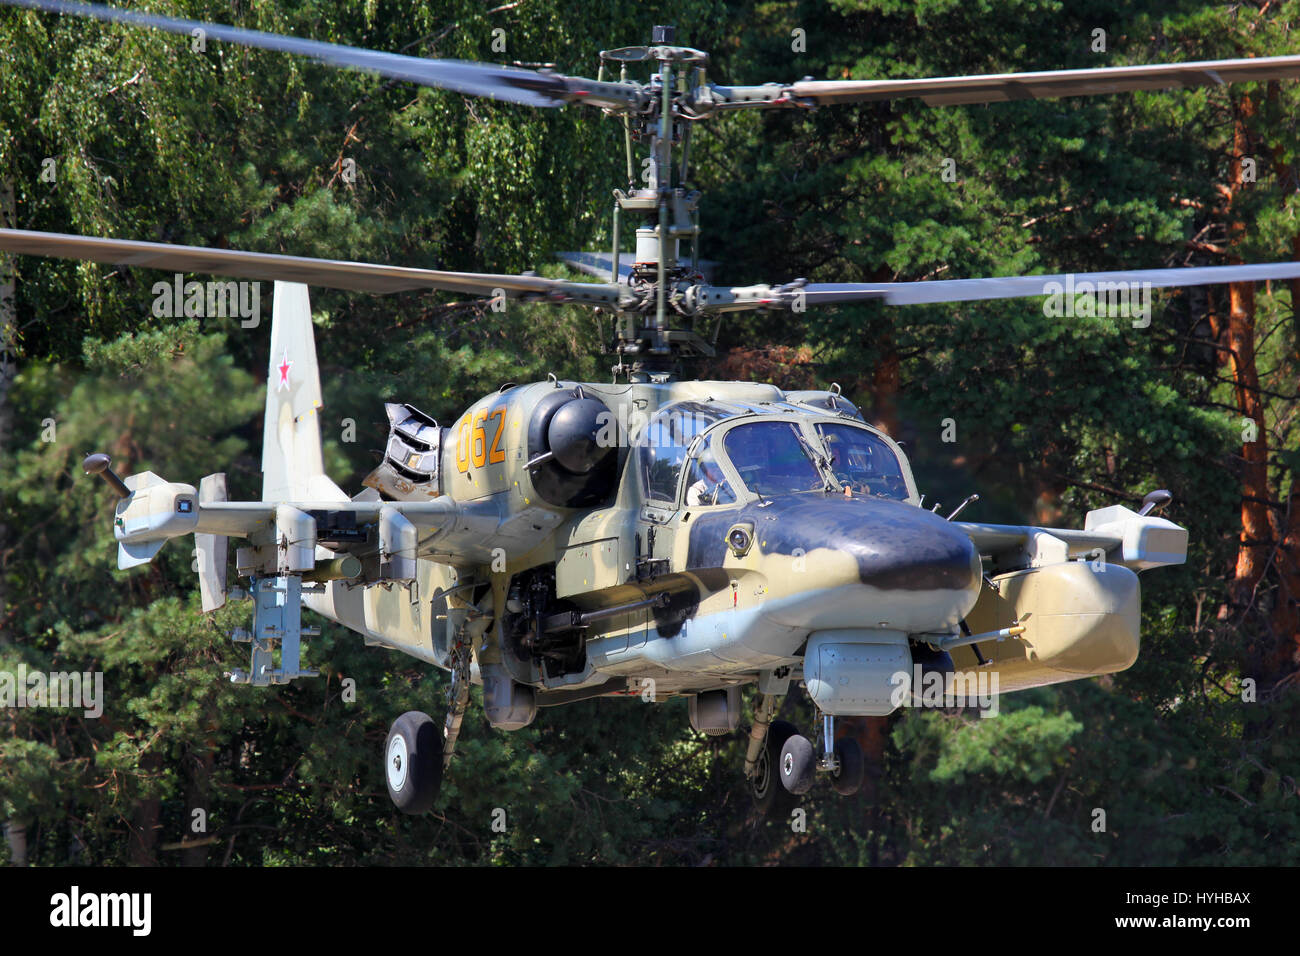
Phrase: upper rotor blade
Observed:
(598, 264)
(511, 84)
(330, 273)
(1001, 87)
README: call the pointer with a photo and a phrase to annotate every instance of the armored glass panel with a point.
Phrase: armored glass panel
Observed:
(863, 461)
(662, 444)
(706, 484)
(772, 459)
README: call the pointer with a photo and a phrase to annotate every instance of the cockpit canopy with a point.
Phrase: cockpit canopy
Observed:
(773, 458)
(662, 444)
(863, 460)
(727, 449)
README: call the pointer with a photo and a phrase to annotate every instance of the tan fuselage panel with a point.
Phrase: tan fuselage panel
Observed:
(1081, 619)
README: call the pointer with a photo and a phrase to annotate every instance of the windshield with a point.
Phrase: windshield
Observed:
(863, 461)
(772, 458)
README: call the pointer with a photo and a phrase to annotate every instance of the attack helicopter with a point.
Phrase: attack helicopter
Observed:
(652, 537)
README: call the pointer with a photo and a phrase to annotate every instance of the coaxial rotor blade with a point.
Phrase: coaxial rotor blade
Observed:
(329, 273)
(1012, 287)
(598, 264)
(1001, 87)
(512, 84)
(718, 299)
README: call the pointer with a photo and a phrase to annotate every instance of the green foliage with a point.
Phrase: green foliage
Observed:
(246, 149)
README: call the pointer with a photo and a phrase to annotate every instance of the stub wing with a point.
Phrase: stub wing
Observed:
(1116, 535)
(303, 520)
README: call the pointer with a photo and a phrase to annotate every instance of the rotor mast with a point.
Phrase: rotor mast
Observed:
(669, 211)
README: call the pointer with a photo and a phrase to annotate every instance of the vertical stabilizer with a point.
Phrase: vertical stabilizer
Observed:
(292, 465)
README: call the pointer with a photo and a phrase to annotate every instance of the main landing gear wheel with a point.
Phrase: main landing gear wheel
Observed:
(847, 780)
(413, 762)
(798, 764)
(763, 785)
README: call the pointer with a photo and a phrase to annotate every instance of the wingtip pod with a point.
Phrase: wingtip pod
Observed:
(1148, 541)
(154, 511)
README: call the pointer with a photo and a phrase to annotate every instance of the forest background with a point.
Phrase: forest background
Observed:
(1190, 755)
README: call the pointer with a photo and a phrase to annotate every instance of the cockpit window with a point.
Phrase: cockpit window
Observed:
(772, 458)
(662, 444)
(863, 461)
(706, 484)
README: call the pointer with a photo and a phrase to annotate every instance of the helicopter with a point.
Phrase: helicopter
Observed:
(653, 537)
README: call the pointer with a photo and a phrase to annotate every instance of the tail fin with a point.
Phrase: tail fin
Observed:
(292, 465)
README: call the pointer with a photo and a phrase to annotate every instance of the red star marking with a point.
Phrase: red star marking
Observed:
(283, 368)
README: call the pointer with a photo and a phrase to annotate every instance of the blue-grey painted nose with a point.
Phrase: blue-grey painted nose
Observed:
(895, 545)
(909, 567)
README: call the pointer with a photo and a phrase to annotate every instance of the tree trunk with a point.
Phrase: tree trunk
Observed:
(198, 797)
(1286, 605)
(1256, 539)
(144, 822)
(884, 388)
(15, 831)
(16, 835)
(1285, 619)
(8, 371)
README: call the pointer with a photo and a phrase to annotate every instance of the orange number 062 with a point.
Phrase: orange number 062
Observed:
(472, 444)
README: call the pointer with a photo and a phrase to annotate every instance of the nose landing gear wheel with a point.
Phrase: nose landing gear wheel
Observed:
(763, 785)
(798, 764)
(413, 762)
(847, 780)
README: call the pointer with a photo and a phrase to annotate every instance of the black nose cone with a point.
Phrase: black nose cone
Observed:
(896, 546)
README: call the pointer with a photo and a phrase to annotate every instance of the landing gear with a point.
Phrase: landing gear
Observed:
(798, 764)
(413, 762)
(457, 698)
(847, 779)
(763, 784)
(418, 750)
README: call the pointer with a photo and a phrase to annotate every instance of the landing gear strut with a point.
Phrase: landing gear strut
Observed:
(763, 784)
(842, 759)
(457, 698)
(798, 763)
(418, 751)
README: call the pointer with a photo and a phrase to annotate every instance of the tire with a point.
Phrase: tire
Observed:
(763, 786)
(848, 779)
(798, 764)
(413, 762)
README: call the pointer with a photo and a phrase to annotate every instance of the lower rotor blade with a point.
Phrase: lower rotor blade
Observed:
(329, 273)
(800, 294)
(1013, 287)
